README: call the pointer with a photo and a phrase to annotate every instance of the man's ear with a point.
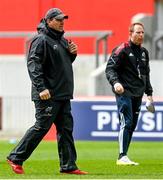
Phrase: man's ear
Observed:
(130, 33)
(48, 21)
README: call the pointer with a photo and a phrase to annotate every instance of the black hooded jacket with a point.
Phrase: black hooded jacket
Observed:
(129, 65)
(49, 64)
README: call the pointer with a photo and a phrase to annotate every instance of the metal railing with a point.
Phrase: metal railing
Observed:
(98, 35)
(157, 45)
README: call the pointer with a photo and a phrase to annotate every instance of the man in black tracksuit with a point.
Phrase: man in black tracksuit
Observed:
(128, 72)
(50, 69)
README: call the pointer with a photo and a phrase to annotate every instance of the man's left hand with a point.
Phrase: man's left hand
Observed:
(149, 104)
(150, 98)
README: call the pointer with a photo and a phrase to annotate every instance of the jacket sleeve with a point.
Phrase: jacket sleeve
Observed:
(149, 89)
(73, 57)
(113, 66)
(34, 63)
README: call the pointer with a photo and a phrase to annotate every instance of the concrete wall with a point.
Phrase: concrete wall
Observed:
(14, 79)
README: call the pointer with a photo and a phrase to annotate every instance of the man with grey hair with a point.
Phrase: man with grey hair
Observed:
(49, 65)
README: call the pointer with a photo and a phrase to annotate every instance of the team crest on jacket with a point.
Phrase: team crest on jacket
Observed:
(55, 46)
(143, 56)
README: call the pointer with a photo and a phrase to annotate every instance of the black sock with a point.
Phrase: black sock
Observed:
(121, 155)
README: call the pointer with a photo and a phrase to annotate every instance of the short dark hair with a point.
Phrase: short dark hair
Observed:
(131, 27)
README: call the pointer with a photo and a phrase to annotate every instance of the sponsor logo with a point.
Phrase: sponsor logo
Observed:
(107, 123)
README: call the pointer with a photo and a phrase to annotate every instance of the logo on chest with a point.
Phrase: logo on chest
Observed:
(143, 56)
(55, 46)
(131, 55)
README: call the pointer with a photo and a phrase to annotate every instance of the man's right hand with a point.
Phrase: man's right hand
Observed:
(73, 48)
(118, 88)
(45, 94)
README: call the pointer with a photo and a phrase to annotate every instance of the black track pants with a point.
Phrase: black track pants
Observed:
(128, 110)
(47, 113)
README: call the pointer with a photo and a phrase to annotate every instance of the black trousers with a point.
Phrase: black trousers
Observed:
(47, 113)
(128, 111)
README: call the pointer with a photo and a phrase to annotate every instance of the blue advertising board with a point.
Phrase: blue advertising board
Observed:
(98, 120)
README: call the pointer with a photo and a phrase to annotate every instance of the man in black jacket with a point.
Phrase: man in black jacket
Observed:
(50, 69)
(128, 72)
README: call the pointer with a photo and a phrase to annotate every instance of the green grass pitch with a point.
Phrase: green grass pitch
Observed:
(98, 158)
